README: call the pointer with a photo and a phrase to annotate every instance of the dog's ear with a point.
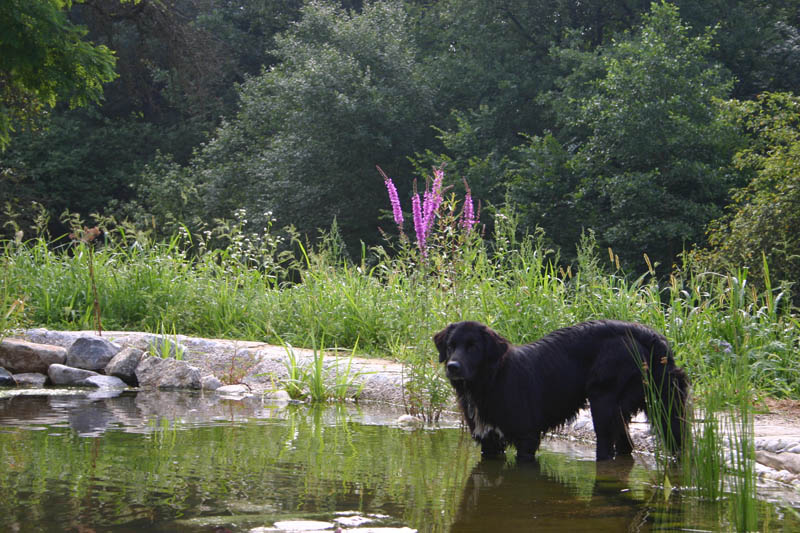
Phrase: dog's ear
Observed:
(496, 345)
(440, 340)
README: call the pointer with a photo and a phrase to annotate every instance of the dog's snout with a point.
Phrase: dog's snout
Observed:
(454, 369)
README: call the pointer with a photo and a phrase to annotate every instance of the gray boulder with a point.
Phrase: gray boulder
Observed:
(18, 356)
(154, 372)
(6, 379)
(210, 382)
(67, 375)
(30, 379)
(123, 365)
(102, 382)
(91, 353)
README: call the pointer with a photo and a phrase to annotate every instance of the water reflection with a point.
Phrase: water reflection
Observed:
(186, 462)
(538, 496)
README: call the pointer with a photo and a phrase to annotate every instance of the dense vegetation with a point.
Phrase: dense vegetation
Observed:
(390, 304)
(650, 124)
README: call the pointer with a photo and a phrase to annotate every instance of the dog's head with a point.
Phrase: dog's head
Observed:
(466, 348)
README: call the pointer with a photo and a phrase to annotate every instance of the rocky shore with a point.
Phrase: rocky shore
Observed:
(243, 368)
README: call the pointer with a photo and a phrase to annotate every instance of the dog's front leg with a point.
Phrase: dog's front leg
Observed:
(492, 445)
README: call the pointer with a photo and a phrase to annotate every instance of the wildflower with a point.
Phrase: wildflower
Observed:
(468, 219)
(419, 223)
(397, 211)
(433, 199)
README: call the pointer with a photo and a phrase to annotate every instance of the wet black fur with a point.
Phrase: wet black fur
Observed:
(513, 394)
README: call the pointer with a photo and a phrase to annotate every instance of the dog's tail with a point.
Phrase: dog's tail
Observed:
(666, 388)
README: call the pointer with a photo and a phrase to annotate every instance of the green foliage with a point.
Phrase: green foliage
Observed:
(11, 310)
(308, 133)
(44, 60)
(80, 160)
(650, 166)
(760, 228)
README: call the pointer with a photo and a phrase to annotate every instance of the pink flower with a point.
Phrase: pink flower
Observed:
(433, 199)
(468, 219)
(419, 224)
(397, 211)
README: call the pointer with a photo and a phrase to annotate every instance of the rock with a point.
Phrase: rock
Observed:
(123, 365)
(102, 382)
(31, 379)
(91, 353)
(409, 421)
(277, 396)
(779, 461)
(154, 372)
(6, 379)
(240, 390)
(210, 382)
(18, 356)
(67, 375)
(794, 449)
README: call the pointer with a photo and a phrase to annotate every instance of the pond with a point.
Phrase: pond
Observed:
(182, 462)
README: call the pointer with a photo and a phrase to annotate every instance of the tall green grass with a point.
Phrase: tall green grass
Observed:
(393, 300)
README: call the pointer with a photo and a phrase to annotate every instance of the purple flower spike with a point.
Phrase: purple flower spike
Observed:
(419, 224)
(397, 211)
(433, 199)
(468, 218)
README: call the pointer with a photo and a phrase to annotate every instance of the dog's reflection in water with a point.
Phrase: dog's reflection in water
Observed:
(500, 496)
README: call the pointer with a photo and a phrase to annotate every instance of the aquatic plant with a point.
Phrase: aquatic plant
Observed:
(237, 366)
(315, 381)
(166, 345)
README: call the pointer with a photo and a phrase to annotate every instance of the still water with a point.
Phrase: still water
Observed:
(181, 462)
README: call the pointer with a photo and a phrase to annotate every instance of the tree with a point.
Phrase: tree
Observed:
(347, 95)
(648, 165)
(45, 60)
(491, 61)
(763, 221)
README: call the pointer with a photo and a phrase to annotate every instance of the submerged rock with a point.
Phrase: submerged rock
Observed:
(409, 421)
(91, 353)
(18, 356)
(234, 390)
(102, 382)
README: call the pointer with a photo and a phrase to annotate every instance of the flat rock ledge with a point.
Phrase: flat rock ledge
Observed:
(240, 369)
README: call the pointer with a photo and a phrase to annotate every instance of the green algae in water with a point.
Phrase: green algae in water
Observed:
(191, 463)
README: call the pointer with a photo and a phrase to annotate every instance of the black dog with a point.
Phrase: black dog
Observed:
(513, 394)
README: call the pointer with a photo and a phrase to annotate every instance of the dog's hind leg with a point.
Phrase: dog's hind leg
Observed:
(526, 447)
(622, 441)
(607, 423)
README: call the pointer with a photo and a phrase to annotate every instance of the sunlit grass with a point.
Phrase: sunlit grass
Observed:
(392, 303)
